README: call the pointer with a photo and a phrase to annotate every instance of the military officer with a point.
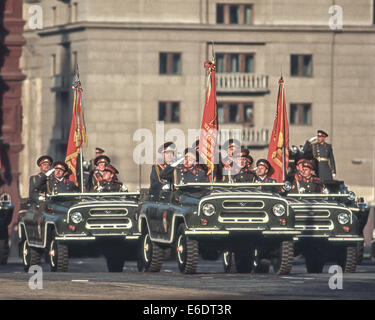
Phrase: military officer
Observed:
(263, 170)
(167, 151)
(37, 182)
(322, 154)
(96, 176)
(228, 167)
(308, 182)
(109, 182)
(244, 160)
(188, 171)
(98, 152)
(58, 182)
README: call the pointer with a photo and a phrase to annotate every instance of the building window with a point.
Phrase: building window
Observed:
(170, 63)
(300, 114)
(301, 65)
(53, 65)
(53, 16)
(234, 14)
(235, 62)
(234, 112)
(169, 111)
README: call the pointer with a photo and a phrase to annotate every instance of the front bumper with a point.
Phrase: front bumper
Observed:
(339, 238)
(72, 237)
(259, 231)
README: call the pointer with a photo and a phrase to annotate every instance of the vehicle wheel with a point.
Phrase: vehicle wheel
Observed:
(4, 251)
(228, 262)
(282, 260)
(30, 256)
(260, 265)
(243, 260)
(151, 255)
(348, 258)
(58, 256)
(187, 251)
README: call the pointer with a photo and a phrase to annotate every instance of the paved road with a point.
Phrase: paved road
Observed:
(89, 279)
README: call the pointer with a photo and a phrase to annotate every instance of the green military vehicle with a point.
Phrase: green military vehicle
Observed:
(80, 224)
(6, 212)
(208, 219)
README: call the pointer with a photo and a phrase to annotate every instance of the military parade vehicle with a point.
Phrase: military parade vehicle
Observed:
(331, 226)
(80, 224)
(6, 212)
(207, 219)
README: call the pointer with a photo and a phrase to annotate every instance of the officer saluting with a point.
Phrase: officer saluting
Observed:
(97, 175)
(167, 151)
(110, 183)
(37, 185)
(322, 153)
(58, 182)
(188, 171)
(308, 183)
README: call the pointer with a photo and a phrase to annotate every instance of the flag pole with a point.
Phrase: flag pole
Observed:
(81, 147)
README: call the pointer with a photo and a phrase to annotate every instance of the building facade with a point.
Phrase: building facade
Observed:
(141, 61)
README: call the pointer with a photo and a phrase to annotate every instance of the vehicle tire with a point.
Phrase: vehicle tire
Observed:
(228, 262)
(151, 255)
(348, 258)
(58, 256)
(30, 256)
(282, 260)
(4, 251)
(260, 265)
(243, 260)
(187, 251)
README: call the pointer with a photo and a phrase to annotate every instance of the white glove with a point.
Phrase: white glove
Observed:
(313, 139)
(42, 198)
(333, 175)
(177, 162)
(100, 188)
(49, 172)
(124, 188)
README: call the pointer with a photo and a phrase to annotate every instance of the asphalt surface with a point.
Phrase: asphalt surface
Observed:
(88, 279)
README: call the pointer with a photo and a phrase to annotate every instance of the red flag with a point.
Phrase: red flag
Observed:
(77, 134)
(279, 137)
(209, 126)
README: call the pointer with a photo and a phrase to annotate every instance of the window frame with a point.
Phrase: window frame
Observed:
(225, 13)
(301, 65)
(170, 63)
(300, 113)
(168, 118)
(241, 107)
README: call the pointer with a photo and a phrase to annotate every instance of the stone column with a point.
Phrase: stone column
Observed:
(11, 77)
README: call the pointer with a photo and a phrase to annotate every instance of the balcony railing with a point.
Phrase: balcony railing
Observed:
(241, 82)
(247, 136)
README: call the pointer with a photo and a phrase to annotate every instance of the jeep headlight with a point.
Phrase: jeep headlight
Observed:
(287, 186)
(351, 196)
(208, 209)
(278, 209)
(76, 217)
(343, 218)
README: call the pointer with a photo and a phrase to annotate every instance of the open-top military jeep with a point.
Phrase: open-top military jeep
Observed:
(80, 224)
(209, 219)
(6, 212)
(331, 226)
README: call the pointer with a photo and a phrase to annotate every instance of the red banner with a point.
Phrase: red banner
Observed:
(209, 126)
(279, 138)
(77, 134)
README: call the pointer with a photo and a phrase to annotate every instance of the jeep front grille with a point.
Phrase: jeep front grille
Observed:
(243, 217)
(243, 204)
(315, 220)
(108, 223)
(108, 212)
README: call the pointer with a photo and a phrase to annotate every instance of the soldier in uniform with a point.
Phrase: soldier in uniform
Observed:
(58, 182)
(308, 182)
(37, 182)
(322, 153)
(110, 183)
(227, 167)
(262, 172)
(96, 176)
(98, 152)
(244, 160)
(188, 171)
(167, 150)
